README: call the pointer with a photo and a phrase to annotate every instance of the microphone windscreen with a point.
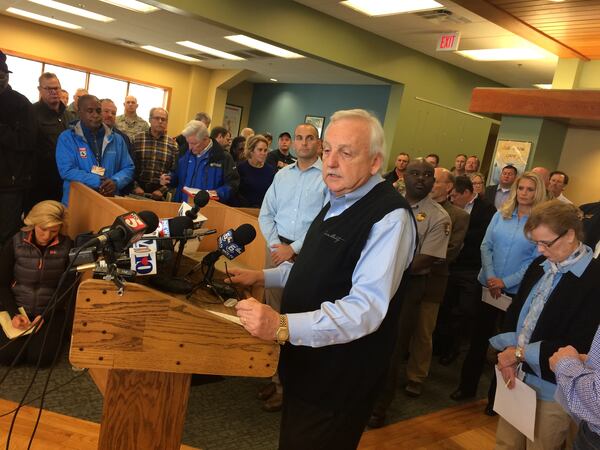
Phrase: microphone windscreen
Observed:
(150, 219)
(244, 234)
(201, 199)
(178, 225)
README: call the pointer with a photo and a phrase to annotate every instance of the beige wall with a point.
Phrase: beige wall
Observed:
(241, 95)
(580, 159)
(189, 84)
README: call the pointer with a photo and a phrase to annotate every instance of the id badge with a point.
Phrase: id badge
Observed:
(98, 170)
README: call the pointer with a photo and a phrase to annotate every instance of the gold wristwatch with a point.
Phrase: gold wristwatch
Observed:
(519, 354)
(283, 333)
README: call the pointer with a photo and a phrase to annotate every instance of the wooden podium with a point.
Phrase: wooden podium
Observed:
(142, 347)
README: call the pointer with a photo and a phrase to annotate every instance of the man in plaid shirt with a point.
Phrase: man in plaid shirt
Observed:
(154, 153)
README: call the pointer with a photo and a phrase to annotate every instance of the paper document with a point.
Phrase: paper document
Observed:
(6, 323)
(229, 317)
(502, 302)
(517, 405)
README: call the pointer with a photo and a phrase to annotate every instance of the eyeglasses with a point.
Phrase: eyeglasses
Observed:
(51, 89)
(549, 244)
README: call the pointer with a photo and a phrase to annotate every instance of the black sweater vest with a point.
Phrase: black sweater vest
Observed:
(338, 375)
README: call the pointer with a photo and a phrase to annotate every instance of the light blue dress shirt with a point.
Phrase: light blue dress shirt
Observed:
(291, 203)
(387, 253)
(544, 389)
(506, 252)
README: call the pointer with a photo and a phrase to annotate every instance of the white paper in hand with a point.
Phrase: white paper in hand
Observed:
(517, 405)
(502, 302)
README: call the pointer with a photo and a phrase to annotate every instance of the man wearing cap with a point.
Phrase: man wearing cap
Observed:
(281, 157)
(17, 147)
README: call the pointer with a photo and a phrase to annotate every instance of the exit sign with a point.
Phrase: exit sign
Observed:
(448, 42)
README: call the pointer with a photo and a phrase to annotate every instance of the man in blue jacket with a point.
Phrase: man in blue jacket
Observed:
(205, 165)
(92, 154)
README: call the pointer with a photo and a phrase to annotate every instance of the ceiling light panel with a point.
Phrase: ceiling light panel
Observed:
(387, 8)
(210, 51)
(40, 18)
(504, 54)
(263, 46)
(73, 10)
(162, 51)
(132, 5)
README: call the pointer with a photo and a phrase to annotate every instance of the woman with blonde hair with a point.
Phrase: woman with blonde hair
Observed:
(556, 305)
(478, 180)
(31, 265)
(505, 255)
(256, 175)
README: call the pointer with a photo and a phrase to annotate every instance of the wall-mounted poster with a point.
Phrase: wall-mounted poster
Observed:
(317, 121)
(514, 153)
(233, 119)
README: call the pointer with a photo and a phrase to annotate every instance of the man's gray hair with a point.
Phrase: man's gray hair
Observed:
(377, 135)
(156, 108)
(195, 128)
(203, 117)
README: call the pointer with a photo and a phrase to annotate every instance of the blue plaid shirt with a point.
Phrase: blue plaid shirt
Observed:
(579, 386)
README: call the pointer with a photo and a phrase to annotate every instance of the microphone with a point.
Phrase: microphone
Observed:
(126, 229)
(200, 200)
(176, 228)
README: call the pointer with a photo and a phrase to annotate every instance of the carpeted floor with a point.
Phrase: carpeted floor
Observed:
(223, 415)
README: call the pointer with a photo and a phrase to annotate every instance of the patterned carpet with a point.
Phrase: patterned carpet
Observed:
(222, 415)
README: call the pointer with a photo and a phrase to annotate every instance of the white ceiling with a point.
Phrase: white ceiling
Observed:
(412, 30)
(142, 29)
(407, 29)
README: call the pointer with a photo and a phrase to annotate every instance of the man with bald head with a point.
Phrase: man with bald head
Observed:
(433, 226)
(339, 310)
(130, 123)
(92, 154)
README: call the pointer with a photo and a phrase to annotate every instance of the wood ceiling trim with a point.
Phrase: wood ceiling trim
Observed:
(504, 19)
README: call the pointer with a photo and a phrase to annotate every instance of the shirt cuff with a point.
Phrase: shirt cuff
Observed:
(570, 366)
(532, 357)
(272, 278)
(296, 246)
(501, 341)
(299, 327)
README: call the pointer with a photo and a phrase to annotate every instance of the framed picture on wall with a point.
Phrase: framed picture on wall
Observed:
(514, 153)
(233, 119)
(317, 121)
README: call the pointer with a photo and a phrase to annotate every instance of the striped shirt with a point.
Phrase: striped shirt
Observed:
(153, 157)
(579, 386)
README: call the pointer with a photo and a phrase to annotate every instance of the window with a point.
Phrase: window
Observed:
(106, 87)
(24, 76)
(26, 72)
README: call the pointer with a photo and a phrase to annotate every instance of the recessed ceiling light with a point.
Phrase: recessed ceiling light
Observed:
(162, 51)
(273, 79)
(210, 51)
(73, 10)
(40, 18)
(504, 54)
(387, 7)
(132, 5)
(263, 46)
(543, 86)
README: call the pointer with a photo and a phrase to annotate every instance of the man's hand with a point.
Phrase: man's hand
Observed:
(108, 187)
(157, 195)
(281, 253)
(138, 191)
(565, 352)
(246, 277)
(508, 375)
(20, 322)
(258, 319)
(507, 358)
(165, 179)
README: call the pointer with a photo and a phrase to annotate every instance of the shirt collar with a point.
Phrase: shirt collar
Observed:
(318, 164)
(500, 188)
(350, 198)
(579, 266)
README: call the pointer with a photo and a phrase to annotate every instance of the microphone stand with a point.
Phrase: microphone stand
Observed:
(177, 263)
(219, 290)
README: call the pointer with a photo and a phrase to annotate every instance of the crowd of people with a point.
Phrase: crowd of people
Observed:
(403, 259)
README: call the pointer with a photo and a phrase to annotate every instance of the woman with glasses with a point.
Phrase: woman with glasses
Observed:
(505, 255)
(478, 180)
(556, 305)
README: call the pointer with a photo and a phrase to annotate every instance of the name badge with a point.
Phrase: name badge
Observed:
(98, 170)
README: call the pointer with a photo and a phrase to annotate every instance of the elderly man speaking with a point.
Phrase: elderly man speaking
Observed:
(342, 294)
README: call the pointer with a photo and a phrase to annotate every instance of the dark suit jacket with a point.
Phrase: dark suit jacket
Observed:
(490, 193)
(591, 223)
(469, 257)
(570, 317)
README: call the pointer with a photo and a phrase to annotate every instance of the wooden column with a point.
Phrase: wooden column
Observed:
(144, 410)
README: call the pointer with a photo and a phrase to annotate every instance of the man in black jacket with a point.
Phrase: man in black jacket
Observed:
(51, 121)
(497, 194)
(17, 147)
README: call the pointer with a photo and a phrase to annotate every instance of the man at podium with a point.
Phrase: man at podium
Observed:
(342, 294)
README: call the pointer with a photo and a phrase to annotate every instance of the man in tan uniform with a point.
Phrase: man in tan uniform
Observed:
(433, 226)
(421, 344)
